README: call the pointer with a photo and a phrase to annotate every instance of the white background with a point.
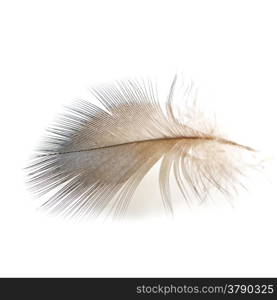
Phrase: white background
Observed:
(51, 52)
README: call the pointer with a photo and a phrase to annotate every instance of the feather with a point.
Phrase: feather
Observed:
(93, 159)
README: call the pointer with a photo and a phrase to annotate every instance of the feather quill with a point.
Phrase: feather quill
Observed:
(93, 158)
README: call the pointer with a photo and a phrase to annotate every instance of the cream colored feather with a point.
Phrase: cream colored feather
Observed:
(95, 158)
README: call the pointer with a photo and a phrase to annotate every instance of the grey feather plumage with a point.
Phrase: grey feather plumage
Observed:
(95, 158)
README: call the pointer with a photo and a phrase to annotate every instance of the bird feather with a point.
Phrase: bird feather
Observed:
(94, 158)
